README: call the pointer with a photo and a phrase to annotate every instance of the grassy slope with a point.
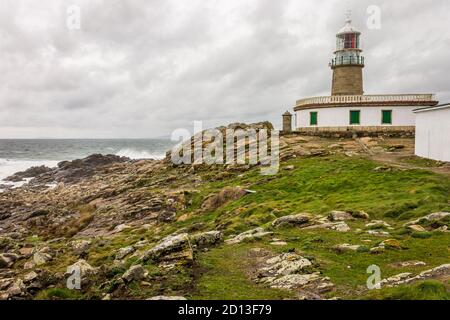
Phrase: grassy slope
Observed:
(318, 186)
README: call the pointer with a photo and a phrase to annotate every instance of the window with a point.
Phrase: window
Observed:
(355, 117)
(313, 119)
(386, 117)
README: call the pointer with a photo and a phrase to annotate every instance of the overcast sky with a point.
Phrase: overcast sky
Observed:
(144, 68)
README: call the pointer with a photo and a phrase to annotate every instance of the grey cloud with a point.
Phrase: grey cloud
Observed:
(144, 68)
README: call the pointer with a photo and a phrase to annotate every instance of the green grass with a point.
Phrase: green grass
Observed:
(59, 294)
(225, 277)
(320, 185)
(426, 290)
(317, 186)
(422, 162)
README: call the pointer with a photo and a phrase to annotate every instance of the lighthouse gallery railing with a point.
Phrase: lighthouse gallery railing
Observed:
(368, 99)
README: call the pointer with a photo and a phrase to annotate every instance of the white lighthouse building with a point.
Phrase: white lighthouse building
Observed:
(348, 108)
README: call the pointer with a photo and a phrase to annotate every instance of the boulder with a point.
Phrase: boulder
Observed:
(29, 277)
(257, 233)
(7, 260)
(168, 245)
(135, 273)
(340, 216)
(41, 258)
(6, 283)
(167, 216)
(341, 227)
(292, 281)
(121, 227)
(409, 264)
(346, 248)
(16, 289)
(437, 216)
(80, 246)
(395, 279)
(292, 220)
(378, 233)
(83, 267)
(336, 226)
(284, 264)
(124, 252)
(361, 215)
(207, 238)
(26, 252)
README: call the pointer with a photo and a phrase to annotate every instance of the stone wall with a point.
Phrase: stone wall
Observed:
(347, 80)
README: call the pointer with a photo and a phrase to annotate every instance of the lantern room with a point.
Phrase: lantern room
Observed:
(348, 47)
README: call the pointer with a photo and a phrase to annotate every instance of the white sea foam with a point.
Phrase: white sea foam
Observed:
(139, 154)
(9, 167)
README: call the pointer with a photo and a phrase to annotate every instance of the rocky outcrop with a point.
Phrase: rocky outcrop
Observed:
(70, 172)
(335, 226)
(292, 220)
(207, 239)
(183, 242)
(33, 172)
(135, 273)
(434, 217)
(442, 272)
(81, 247)
(340, 216)
(7, 260)
(257, 233)
(347, 248)
(291, 271)
(124, 252)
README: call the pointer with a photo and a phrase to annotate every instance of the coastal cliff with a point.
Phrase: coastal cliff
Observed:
(155, 230)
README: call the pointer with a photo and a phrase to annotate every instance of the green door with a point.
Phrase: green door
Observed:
(386, 117)
(313, 119)
(355, 117)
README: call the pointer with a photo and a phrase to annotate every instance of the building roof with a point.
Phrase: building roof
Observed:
(348, 28)
(433, 108)
(392, 100)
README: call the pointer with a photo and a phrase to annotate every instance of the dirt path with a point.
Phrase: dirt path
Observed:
(398, 160)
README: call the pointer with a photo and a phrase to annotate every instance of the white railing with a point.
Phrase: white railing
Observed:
(368, 99)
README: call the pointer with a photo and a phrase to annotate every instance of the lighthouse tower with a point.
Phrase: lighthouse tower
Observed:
(348, 62)
(348, 110)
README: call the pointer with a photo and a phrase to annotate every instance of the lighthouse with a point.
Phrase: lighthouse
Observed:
(348, 109)
(348, 62)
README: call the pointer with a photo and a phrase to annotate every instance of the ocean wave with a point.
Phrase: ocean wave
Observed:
(139, 154)
(9, 167)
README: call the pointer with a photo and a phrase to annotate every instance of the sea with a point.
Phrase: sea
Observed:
(19, 155)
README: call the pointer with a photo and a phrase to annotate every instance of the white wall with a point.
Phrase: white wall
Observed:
(370, 116)
(433, 134)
